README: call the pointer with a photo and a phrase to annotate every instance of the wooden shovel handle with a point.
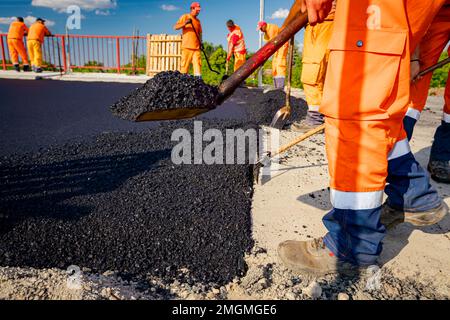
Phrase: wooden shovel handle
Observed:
(299, 139)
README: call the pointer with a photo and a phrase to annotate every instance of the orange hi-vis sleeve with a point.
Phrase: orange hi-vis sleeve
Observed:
(190, 40)
(37, 32)
(17, 30)
(431, 47)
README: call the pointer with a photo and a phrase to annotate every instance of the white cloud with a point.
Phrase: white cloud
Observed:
(6, 20)
(89, 5)
(280, 14)
(28, 20)
(102, 12)
(169, 7)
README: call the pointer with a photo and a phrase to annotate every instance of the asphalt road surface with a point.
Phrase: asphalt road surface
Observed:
(38, 114)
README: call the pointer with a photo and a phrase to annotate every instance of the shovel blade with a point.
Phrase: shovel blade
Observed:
(171, 114)
(280, 118)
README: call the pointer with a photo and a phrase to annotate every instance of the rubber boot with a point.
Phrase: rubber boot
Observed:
(313, 119)
(278, 82)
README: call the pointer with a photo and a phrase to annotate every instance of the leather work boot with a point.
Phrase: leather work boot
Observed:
(440, 171)
(391, 217)
(26, 68)
(313, 119)
(17, 67)
(312, 257)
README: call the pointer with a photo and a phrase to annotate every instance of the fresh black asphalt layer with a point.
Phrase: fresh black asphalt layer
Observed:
(115, 200)
(167, 90)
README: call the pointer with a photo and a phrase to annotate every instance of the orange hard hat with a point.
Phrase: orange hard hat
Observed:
(195, 5)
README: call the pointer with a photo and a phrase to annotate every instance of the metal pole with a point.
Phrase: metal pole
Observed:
(3, 53)
(261, 18)
(118, 54)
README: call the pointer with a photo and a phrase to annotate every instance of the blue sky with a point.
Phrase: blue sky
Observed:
(118, 17)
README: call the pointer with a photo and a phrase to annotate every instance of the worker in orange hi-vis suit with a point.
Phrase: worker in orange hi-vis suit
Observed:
(279, 59)
(236, 45)
(426, 55)
(17, 30)
(315, 60)
(191, 43)
(38, 31)
(366, 96)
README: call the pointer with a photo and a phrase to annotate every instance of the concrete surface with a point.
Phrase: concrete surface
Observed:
(75, 76)
(292, 203)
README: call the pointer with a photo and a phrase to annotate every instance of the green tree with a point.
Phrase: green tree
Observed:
(440, 76)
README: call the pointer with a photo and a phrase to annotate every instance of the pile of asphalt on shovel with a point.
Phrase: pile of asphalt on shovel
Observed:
(119, 203)
(167, 90)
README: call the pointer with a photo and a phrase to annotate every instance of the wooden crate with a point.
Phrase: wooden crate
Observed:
(163, 53)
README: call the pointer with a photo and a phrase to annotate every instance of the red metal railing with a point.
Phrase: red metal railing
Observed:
(87, 52)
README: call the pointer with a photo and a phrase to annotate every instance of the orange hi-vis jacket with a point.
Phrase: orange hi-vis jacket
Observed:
(236, 37)
(37, 32)
(17, 30)
(190, 40)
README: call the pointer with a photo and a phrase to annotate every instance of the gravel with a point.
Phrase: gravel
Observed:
(167, 90)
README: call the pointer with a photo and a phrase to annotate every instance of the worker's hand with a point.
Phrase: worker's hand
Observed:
(415, 69)
(318, 10)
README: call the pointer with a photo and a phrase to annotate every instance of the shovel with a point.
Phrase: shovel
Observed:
(432, 68)
(282, 115)
(203, 50)
(225, 77)
(269, 156)
(229, 86)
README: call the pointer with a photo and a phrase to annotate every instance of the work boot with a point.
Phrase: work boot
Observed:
(440, 171)
(312, 257)
(278, 83)
(26, 68)
(313, 119)
(391, 217)
(38, 70)
(17, 67)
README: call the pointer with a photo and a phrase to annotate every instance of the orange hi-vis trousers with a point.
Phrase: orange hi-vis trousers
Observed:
(189, 56)
(366, 96)
(239, 60)
(315, 60)
(16, 48)
(35, 50)
(431, 47)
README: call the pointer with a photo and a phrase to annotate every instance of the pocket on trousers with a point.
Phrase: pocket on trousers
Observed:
(362, 74)
(310, 73)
